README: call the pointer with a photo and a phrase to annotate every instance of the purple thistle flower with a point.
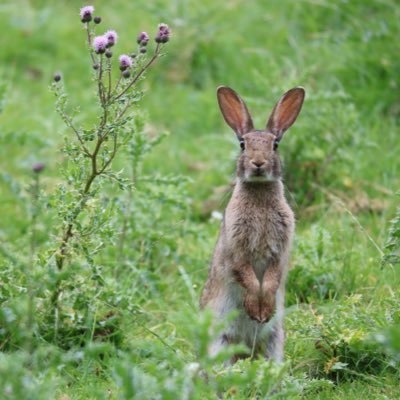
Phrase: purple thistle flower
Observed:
(163, 27)
(86, 13)
(125, 62)
(112, 38)
(100, 44)
(38, 167)
(163, 33)
(143, 38)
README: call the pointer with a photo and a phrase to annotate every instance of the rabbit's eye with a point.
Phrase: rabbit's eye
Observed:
(276, 143)
(242, 144)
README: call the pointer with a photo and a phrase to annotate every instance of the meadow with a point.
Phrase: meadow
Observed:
(120, 319)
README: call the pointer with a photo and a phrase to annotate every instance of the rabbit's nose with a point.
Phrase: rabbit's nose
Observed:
(258, 163)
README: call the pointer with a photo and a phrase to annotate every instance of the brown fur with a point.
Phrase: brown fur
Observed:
(250, 262)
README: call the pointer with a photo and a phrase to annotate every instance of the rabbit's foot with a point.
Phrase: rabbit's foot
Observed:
(252, 305)
(267, 306)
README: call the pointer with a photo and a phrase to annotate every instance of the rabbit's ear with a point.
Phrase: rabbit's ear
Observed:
(234, 111)
(285, 112)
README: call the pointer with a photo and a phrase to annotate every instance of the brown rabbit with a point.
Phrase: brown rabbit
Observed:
(250, 262)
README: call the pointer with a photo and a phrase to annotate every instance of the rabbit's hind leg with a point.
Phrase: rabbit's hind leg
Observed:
(275, 342)
(276, 339)
(217, 345)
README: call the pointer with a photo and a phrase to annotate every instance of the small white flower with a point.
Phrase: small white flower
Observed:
(217, 215)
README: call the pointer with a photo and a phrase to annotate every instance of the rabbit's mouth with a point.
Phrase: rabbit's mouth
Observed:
(260, 176)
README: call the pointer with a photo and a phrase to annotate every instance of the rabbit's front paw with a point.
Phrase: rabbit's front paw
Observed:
(252, 305)
(267, 306)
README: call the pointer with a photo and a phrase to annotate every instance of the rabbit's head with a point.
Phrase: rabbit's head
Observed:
(259, 160)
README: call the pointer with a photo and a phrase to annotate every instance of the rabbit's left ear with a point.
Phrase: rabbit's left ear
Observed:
(285, 112)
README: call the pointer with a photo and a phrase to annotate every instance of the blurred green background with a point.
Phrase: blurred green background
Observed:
(341, 162)
(343, 52)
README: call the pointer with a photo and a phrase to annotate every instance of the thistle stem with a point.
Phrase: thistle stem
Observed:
(141, 71)
(89, 41)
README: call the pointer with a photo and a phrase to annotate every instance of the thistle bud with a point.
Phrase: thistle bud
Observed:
(108, 53)
(57, 77)
(111, 37)
(126, 74)
(163, 33)
(143, 50)
(97, 20)
(38, 167)
(100, 44)
(143, 38)
(125, 62)
(86, 13)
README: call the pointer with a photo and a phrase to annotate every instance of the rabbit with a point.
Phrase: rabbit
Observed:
(250, 262)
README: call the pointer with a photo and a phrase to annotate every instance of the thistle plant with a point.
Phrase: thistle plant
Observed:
(91, 151)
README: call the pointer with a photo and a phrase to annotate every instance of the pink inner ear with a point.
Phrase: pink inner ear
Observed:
(234, 111)
(286, 111)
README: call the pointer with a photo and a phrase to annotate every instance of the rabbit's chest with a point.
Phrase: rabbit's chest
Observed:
(261, 237)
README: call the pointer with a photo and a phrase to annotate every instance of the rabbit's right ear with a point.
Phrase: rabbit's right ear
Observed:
(234, 111)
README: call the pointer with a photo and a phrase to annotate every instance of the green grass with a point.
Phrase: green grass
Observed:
(341, 166)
